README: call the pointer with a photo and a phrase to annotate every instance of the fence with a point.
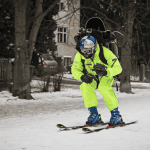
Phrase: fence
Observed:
(5, 69)
(139, 72)
(135, 71)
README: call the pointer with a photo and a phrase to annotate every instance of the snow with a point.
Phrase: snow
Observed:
(31, 124)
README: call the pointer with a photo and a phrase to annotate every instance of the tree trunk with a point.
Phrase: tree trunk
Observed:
(23, 47)
(125, 85)
(21, 81)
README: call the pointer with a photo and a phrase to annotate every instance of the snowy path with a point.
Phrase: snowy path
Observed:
(31, 125)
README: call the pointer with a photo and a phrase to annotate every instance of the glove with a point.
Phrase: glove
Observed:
(100, 69)
(86, 78)
(101, 73)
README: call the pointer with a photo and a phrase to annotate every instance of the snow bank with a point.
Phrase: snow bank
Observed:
(31, 125)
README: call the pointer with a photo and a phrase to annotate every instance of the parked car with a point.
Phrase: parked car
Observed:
(49, 65)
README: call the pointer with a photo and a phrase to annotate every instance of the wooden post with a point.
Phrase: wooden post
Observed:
(142, 72)
(8, 71)
(31, 72)
(5, 70)
(0, 70)
(147, 75)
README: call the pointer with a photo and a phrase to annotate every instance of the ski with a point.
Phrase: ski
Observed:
(87, 130)
(62, 127)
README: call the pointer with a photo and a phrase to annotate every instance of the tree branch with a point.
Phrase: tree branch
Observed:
(50, 8)
(1, 5)
(142, 23)
(91, 9)
(102, 15)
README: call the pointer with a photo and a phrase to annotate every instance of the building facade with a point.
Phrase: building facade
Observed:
(68, 24)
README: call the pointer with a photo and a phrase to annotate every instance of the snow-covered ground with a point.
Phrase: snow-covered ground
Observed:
(31, 124)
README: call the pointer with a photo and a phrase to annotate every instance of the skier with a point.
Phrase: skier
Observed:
(97, 76)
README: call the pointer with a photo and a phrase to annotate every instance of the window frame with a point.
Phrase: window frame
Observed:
(61, 35)
(61, 6)
(67, 61)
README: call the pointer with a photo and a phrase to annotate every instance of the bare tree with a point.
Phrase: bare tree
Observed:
(23, 47)
(25, 40)
(128, 11)
(125, 85)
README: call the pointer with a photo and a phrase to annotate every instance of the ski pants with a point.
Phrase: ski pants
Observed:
(105, 89)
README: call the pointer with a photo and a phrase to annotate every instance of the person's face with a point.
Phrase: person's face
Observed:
(86, 51)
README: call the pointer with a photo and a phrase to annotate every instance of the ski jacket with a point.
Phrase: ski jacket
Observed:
(113, 65)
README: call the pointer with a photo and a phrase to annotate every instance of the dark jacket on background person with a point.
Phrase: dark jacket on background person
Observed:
(34, 60)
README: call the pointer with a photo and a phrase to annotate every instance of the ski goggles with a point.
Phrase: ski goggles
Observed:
(86, 50)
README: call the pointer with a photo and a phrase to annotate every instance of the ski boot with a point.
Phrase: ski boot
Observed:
(94, 119)
(116, 118)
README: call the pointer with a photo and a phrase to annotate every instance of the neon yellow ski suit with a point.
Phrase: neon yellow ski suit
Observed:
(104, 87)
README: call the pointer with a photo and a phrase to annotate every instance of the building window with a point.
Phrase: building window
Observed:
(67, 61)
(61, 6)
(62, 35)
